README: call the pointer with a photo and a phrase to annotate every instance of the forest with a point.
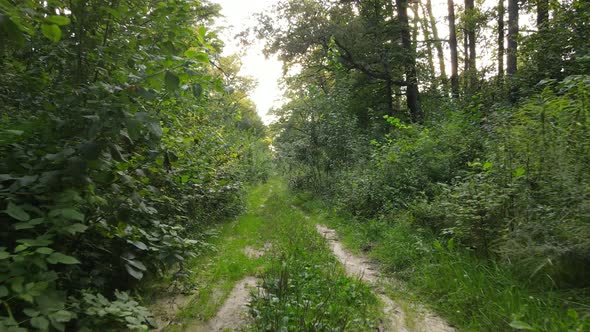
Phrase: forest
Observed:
(443, 146)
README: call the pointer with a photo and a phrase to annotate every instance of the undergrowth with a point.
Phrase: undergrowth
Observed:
(302, 287)
(473, 294)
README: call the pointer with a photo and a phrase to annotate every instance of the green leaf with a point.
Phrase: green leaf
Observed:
(40, 322)
(172, 81)
(133, 272)
(519, 172)
(197, 90)
(38, 242)
(76, 228)
(17, 284)
(20, 248)
(44, 251)
(59, 20)
(51, 31)
(28, 224)
(13, 132)
(31, 312)
(520, 325)
(10, 31)
(62, 316)
(57, 258)
(139, 245)
(136, 264)
(16, 212)
(72, 214)
(155, 128)
(195, 54)
(3, 291)
(69, 213)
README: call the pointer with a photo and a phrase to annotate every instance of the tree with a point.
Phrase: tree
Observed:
(423, 23)
(470, 57)
(111, 101)
(453, 46)
(542, 12)
(511, 65)
(437, 41)
(501, 36)
(412, 93)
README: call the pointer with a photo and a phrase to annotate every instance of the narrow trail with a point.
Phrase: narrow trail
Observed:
(396, 317)
(244, 247)
(233, 314)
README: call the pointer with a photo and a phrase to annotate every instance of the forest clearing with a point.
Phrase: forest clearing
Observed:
(424, 166)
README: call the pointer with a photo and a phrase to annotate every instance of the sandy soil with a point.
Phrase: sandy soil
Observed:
(396, 319)
(234, 312)
(257, 253)
(166, 308)
(233, 315)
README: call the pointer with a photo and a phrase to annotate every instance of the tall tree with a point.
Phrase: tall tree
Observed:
(471, 43)
(512, 37)
(437, 41)
(412, 92)
(453, 46)
(500, 40)
(542, 12)
(423, 21)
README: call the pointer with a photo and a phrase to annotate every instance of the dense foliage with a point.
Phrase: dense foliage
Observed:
(500, 170)
(120, 145)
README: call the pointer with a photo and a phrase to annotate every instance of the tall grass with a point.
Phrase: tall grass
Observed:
(474, 294)
(305, 288)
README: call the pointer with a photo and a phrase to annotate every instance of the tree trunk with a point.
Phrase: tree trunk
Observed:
(415, 23)
(453, 46)
(437, 42)
(412, 92)
(425, 31)
(472, 48)
(500, 40)
(470, 32)
(465, 53)
(511, 65)
(542, 12)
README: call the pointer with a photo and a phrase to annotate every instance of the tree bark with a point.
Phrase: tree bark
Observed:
(412, 93)
(511, 65)
(465, 53)
(542, 12)
(453, 46)
(426, 32)
(500, 40)
(470, 32)
(437, 42)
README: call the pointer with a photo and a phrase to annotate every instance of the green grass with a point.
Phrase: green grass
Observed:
(472, 293)
(305, 288)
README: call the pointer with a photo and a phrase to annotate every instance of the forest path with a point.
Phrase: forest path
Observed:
(277, 231)
(221, 279)
(396, 318)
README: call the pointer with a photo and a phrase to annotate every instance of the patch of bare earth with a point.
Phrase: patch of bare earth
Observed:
(233, 314)
(396, 318)
(252, 252)
(165, 309)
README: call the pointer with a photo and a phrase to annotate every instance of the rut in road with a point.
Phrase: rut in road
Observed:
(396, 318)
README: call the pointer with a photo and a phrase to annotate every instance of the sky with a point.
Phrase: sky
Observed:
(238, 16)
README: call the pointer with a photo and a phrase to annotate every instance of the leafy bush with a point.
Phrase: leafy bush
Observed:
(112, 164)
